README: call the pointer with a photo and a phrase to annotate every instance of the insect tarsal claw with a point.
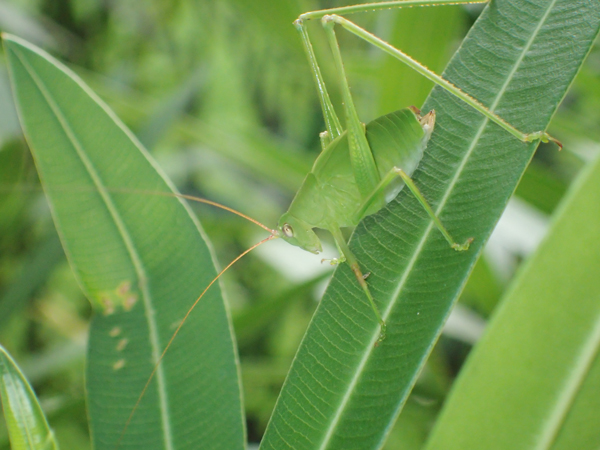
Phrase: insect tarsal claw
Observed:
(382, 333)
(556, 141)
(334, 261)
(463, 247)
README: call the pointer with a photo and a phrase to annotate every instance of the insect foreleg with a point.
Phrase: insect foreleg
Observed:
(351, 260)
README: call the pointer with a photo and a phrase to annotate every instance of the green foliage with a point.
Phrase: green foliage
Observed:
(534, 383)
(343, 391)
(222, 96)
(140, 279)
(27, 425)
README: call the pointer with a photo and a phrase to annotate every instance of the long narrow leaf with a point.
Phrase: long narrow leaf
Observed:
(140, 275)
(27, 425)
(345, 392)
(532, 381)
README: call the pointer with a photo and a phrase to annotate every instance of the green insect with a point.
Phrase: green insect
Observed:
(363, 168)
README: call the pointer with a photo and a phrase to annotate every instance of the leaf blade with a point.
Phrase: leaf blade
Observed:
(140, 279)
(344, 393)
(27, 425)
(538, 362)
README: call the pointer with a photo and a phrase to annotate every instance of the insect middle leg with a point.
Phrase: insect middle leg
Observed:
(380, 191)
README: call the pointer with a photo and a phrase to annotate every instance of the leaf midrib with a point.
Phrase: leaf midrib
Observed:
(125, 236)
(405, 275)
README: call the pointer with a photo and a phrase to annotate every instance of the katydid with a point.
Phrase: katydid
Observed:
(363, 168)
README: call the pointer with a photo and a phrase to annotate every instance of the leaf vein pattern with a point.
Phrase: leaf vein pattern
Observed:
(419, 248)
(127, 239)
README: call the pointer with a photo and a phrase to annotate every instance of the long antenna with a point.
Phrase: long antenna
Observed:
(195, 199)
(123, 190)
(273, 235)
(137, 403)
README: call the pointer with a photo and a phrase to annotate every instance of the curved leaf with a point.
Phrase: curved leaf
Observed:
(27, 426)
(533, 379)
(343, 391)
(140, 279)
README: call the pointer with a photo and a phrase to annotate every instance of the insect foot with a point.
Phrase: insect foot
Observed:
(334, 261)
(382, 333)
(462, 247)
(544, 137)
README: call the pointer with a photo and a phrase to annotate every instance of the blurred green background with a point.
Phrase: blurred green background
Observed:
(221, 94)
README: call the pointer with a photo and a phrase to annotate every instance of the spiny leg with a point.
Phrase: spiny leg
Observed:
(398, 172)
(386, 47)
(378, 6)
(351, 259)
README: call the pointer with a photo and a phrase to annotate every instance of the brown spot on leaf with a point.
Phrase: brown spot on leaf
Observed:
(108, 305)
(130, 302)
(124, 288)
(122, 344)
(119, 364)
(115, 332)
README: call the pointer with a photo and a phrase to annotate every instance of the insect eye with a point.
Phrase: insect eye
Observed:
(287, 230)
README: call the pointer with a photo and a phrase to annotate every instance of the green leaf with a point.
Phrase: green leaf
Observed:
(27, 425)
(343, 391)
(139, 276)
(533, 381)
